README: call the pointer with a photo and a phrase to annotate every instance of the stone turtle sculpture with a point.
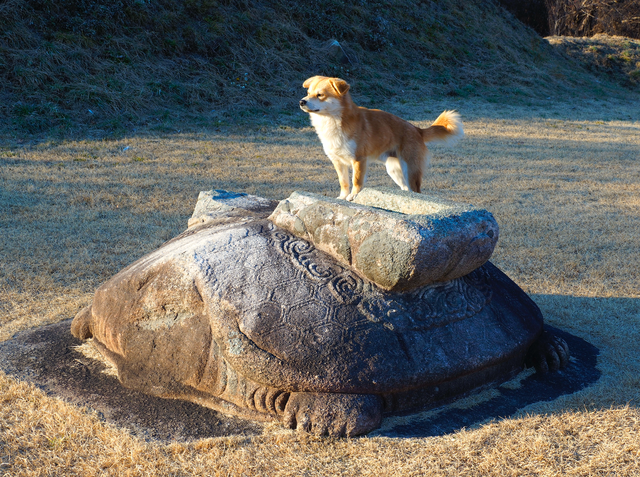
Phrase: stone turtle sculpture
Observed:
(245, 317)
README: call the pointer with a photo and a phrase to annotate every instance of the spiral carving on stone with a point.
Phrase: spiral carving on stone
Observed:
(346, 287)
(373, 309)
(302, 253)
(455, 300)
(427, 307)
(480, 280)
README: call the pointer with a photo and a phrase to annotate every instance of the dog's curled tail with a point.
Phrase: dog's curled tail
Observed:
(447, 128)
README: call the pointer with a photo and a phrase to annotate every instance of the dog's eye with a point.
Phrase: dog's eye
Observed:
(320, 96)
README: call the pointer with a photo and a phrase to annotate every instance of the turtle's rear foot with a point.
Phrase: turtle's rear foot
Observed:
(331, 414)
(548, 353)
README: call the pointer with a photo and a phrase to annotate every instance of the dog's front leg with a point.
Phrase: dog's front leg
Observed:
(359, 176)
(343, 176)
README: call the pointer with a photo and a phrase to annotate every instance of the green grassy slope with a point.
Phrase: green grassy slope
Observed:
(75, 65)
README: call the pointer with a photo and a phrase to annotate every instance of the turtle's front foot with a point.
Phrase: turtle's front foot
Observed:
(548, 353)
(336, 415)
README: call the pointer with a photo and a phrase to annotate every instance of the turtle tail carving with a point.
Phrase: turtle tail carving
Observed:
(81, 325)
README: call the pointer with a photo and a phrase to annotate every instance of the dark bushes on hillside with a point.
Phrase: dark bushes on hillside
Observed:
(589, 17)
(578, 17)
(530, 12)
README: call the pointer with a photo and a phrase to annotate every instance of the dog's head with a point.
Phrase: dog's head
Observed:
(324, 95)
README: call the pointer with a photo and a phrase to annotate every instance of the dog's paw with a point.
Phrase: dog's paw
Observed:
(342, 196)
(351, 196)
(336, 415)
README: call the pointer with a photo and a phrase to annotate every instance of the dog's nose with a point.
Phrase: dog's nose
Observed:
(303, 102)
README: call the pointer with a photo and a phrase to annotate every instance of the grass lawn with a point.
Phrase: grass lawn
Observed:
(562, 180)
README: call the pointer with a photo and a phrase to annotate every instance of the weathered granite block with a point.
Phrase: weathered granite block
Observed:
(399, 240)
(214, 205)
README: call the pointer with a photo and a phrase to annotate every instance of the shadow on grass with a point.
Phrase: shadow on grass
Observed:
(47, 356)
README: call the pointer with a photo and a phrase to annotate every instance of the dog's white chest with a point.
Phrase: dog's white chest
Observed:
(335, 142)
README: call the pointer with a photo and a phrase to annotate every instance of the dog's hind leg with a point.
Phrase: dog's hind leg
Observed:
(415, 181)
(397, 170)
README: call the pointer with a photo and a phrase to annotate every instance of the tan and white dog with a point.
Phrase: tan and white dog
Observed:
(352, 135)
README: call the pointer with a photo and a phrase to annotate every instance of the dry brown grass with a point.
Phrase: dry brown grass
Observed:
(562, 180)
(103, 67)
(615, 57)
(57, 440)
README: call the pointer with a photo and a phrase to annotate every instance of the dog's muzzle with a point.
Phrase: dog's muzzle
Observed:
(305, 108)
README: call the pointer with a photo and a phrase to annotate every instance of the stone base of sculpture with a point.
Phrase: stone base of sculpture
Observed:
(260, 314)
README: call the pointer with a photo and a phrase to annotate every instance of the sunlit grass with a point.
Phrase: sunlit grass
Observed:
(563, 181)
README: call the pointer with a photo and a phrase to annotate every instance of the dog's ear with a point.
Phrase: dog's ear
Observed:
(340, 85)
(309, 81)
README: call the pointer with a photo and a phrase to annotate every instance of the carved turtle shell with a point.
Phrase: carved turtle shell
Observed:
(237, 314)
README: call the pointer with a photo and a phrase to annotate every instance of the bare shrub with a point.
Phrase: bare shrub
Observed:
(589, 17)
